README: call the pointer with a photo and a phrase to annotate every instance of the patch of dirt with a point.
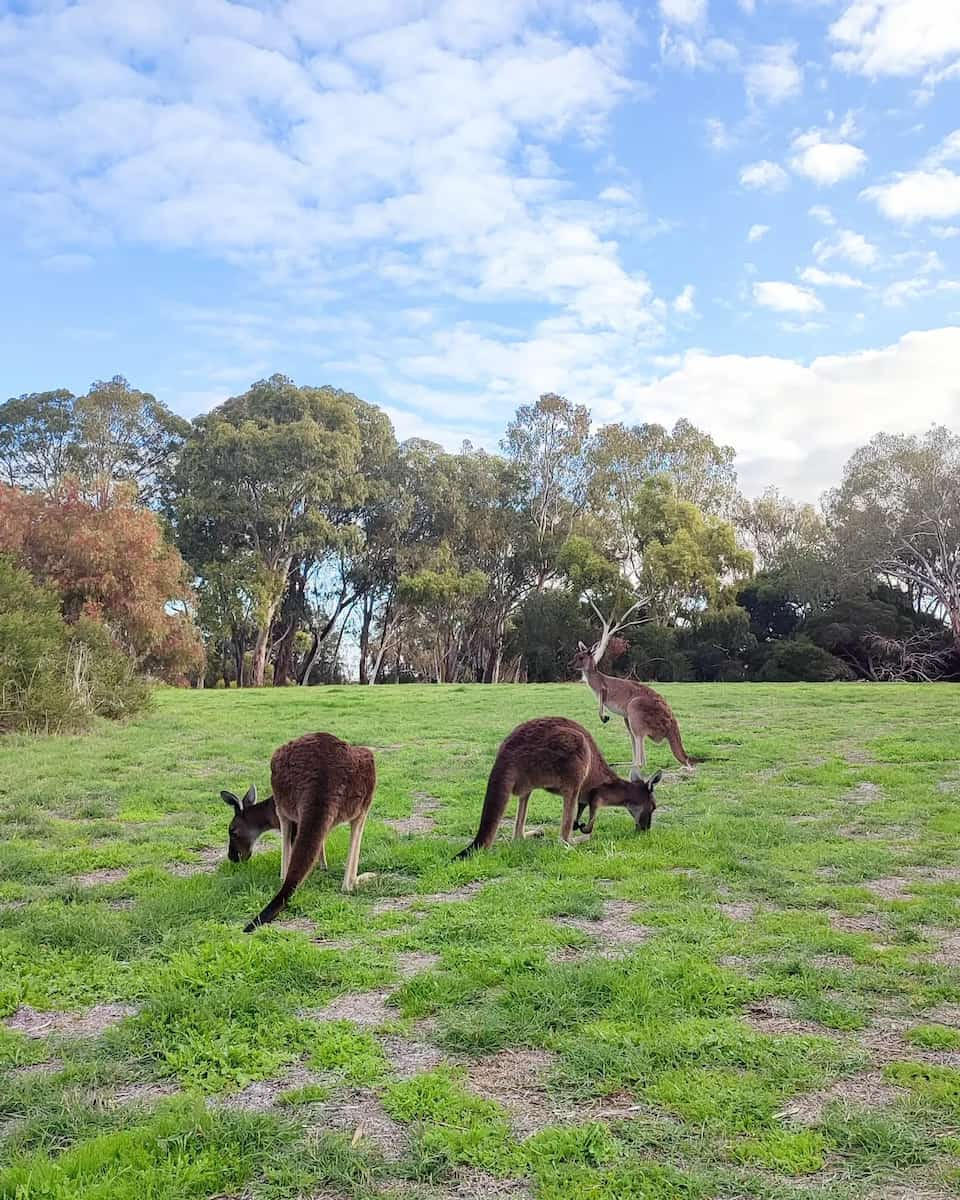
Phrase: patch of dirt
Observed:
(402, 903)
(121, 905)
(207, 860)
(937, 874)
(473, 1184)
(887, 833)
(867, 1090)
(297, 925)
(138, 1093)
(514, 1079)
(89, 1023)
(893, 887)
(333, 944)
(885, 1041)
(420, 820)
(42, 1068)
(862, 924)
(262, 1094)
(616, 931)
(863, 792)
(948, 786)
(858, 757)
(739, 911)
(409, 1056)
(775, 1015)
(946, 1014)
(947, 953)
(360, 1114)
(833, 962)
(104, 875)
(737, 962)
(412, 962)
(911, 1191)
(367, 1009)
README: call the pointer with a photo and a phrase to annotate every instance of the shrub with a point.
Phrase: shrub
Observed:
(55, 677)
(799, 660)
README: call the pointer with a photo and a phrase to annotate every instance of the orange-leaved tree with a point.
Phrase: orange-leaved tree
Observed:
(111, 562)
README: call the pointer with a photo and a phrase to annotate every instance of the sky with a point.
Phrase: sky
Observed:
(742, 212)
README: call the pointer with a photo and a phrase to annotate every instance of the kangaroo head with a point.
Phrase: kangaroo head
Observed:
(583, 660)
(639, 801)
(250, 820)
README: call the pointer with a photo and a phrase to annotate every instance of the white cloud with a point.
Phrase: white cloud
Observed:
(756, 232)
(684, 12)
(773, 76)
(794, 424)
(403, 144)
(764, 175)
(818, 278)
(684, 303)
(848, 246)
(748, 6)
(617, 195)
(918, 196)
(786, 297)
(896, 37)
(947, 151)
(826, 162)
(719, 137)
(821, 213)
(945, 232)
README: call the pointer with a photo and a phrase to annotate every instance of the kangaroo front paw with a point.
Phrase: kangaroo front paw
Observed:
(605, 718)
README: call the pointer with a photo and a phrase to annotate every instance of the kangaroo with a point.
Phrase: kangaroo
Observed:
(645, 713)
(561, 757)
(318, 782)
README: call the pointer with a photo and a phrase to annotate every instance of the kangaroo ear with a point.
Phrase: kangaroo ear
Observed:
(232, 800)
(250, 797)
(635, 776)
(654, 780)
(581, 646)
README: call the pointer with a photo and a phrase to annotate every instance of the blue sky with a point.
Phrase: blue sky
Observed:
(746, 212)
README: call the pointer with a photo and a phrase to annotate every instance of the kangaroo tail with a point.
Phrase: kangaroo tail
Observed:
(676, 745)
(306, 848)
(494, 806)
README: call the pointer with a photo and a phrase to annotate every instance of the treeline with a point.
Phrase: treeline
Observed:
(286, 537)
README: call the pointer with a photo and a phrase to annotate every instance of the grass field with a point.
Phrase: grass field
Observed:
(758, 999)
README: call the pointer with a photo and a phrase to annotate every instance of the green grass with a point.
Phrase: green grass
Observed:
(773, 932)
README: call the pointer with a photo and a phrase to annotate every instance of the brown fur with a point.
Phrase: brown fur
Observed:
(645, 712)
(561, 757)
(319, 782)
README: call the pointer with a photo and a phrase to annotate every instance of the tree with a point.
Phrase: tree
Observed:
(443, 597)
(113, 435)
(620, 460)
(55, 676)
(896, 515)
(780, 533)
(684, 559)
(267, 473)
(546, 441)
(110, 563)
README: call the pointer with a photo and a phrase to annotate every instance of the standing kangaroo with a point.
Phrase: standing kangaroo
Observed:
(318, 782)
(561, 757)
(645, 713)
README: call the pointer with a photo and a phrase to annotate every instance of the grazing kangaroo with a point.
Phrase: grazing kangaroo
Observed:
(318, 782)
(561, 757)
(645, 712)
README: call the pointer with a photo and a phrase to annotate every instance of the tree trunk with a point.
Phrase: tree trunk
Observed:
(261, 646)
(238, 658)
(365, 638)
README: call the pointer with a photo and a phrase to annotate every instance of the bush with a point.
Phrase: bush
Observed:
(798, 660)
(55, 677)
